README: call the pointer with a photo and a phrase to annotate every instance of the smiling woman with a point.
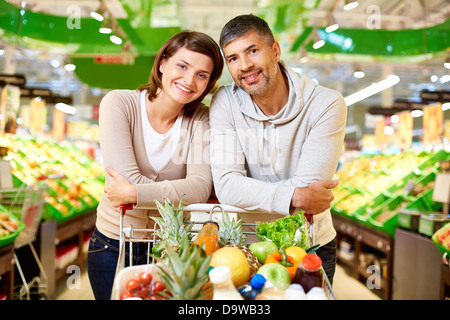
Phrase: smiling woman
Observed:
(185, 77)
(153, 141)
(193, 42)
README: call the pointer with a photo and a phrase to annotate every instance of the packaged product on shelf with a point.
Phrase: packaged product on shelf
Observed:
(442, 238)
(429, 223)
(10, 227)
(75, 182)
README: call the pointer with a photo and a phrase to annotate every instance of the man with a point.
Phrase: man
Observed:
(276, 138)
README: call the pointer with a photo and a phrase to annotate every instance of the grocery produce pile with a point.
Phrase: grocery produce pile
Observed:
(75, 181)
(10, 227)
(184, 260)
(442, 239)
(374, 188)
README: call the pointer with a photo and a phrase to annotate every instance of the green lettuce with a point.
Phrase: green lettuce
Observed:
(285, 232)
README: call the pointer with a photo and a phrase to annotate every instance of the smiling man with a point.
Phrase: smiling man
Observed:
(276, 137)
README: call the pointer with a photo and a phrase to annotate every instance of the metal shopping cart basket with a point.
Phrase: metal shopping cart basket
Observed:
(26, 203)
(200, 213)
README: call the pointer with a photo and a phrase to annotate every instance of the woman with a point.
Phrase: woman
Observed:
(155, 145)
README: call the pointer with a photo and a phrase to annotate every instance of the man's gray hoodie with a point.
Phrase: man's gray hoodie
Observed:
(257, 161)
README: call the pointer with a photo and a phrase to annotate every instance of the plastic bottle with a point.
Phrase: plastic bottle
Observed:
(250, 291)
(309, 272)
(295, 292)
(316, 293)
(272, 293)
(209, 235)
(224, 288)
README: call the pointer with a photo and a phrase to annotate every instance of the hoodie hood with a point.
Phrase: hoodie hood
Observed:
(300, 89)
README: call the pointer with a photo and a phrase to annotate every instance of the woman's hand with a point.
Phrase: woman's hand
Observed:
(120, 191)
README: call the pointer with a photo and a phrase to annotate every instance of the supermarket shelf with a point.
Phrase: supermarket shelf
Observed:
(363, 237)
(53, 234)
(7, 271)
(445, 282)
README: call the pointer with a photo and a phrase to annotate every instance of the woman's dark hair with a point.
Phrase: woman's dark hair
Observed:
(194, 41)
(242, 25)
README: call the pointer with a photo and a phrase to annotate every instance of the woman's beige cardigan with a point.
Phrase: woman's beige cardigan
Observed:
(186, 175)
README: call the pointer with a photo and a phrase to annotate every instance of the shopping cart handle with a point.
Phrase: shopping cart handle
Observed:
(308, 217)
(124, 207)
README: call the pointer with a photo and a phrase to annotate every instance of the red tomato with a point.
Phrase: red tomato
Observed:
(157, 286)
(126, 295)
(132, 285)
(145, 278)
(142, 292)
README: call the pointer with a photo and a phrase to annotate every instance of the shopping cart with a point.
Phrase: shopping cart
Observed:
(26, 203)
(203, 212)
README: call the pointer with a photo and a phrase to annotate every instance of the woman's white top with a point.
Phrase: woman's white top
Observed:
(159, 146)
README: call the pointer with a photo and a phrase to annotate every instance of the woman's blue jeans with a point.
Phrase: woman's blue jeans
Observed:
(102, 259)
(328, 255)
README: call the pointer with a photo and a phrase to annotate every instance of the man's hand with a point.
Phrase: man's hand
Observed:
(315, 198)
(120, 191)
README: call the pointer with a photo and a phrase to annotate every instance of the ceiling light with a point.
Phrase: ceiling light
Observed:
(416, 113)
(69, 67)
(332, 23)
(65, 108)
(351, 5)
(332, 28)
(303, 59)
(105, 30)
(97, 16)
(115, 40)
(55, 63)
(374, 88)
(359, 74)
(319, 44)
(303, 55)
(445, 79)
(388, 130)
(445, 106)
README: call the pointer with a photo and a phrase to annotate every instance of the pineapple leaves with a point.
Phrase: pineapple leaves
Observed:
(186, 271)
(230, 231)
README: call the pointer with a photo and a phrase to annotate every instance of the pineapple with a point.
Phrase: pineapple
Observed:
(231, 235)
(185, 272)
(172, 227)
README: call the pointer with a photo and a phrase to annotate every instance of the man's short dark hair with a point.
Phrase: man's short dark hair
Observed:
(242, 25)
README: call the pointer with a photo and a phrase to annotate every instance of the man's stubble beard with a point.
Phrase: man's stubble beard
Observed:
(264, 85)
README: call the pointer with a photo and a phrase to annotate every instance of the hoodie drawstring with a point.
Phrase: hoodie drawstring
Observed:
(273, 149)
(273, 155)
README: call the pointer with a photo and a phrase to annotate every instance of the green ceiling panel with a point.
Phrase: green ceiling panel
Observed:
(80, 39)
(79, 34)
(378, 42)
(114, 76)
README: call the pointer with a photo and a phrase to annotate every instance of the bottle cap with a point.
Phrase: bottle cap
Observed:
(220, 274)
(311, 262)
(257, 281)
